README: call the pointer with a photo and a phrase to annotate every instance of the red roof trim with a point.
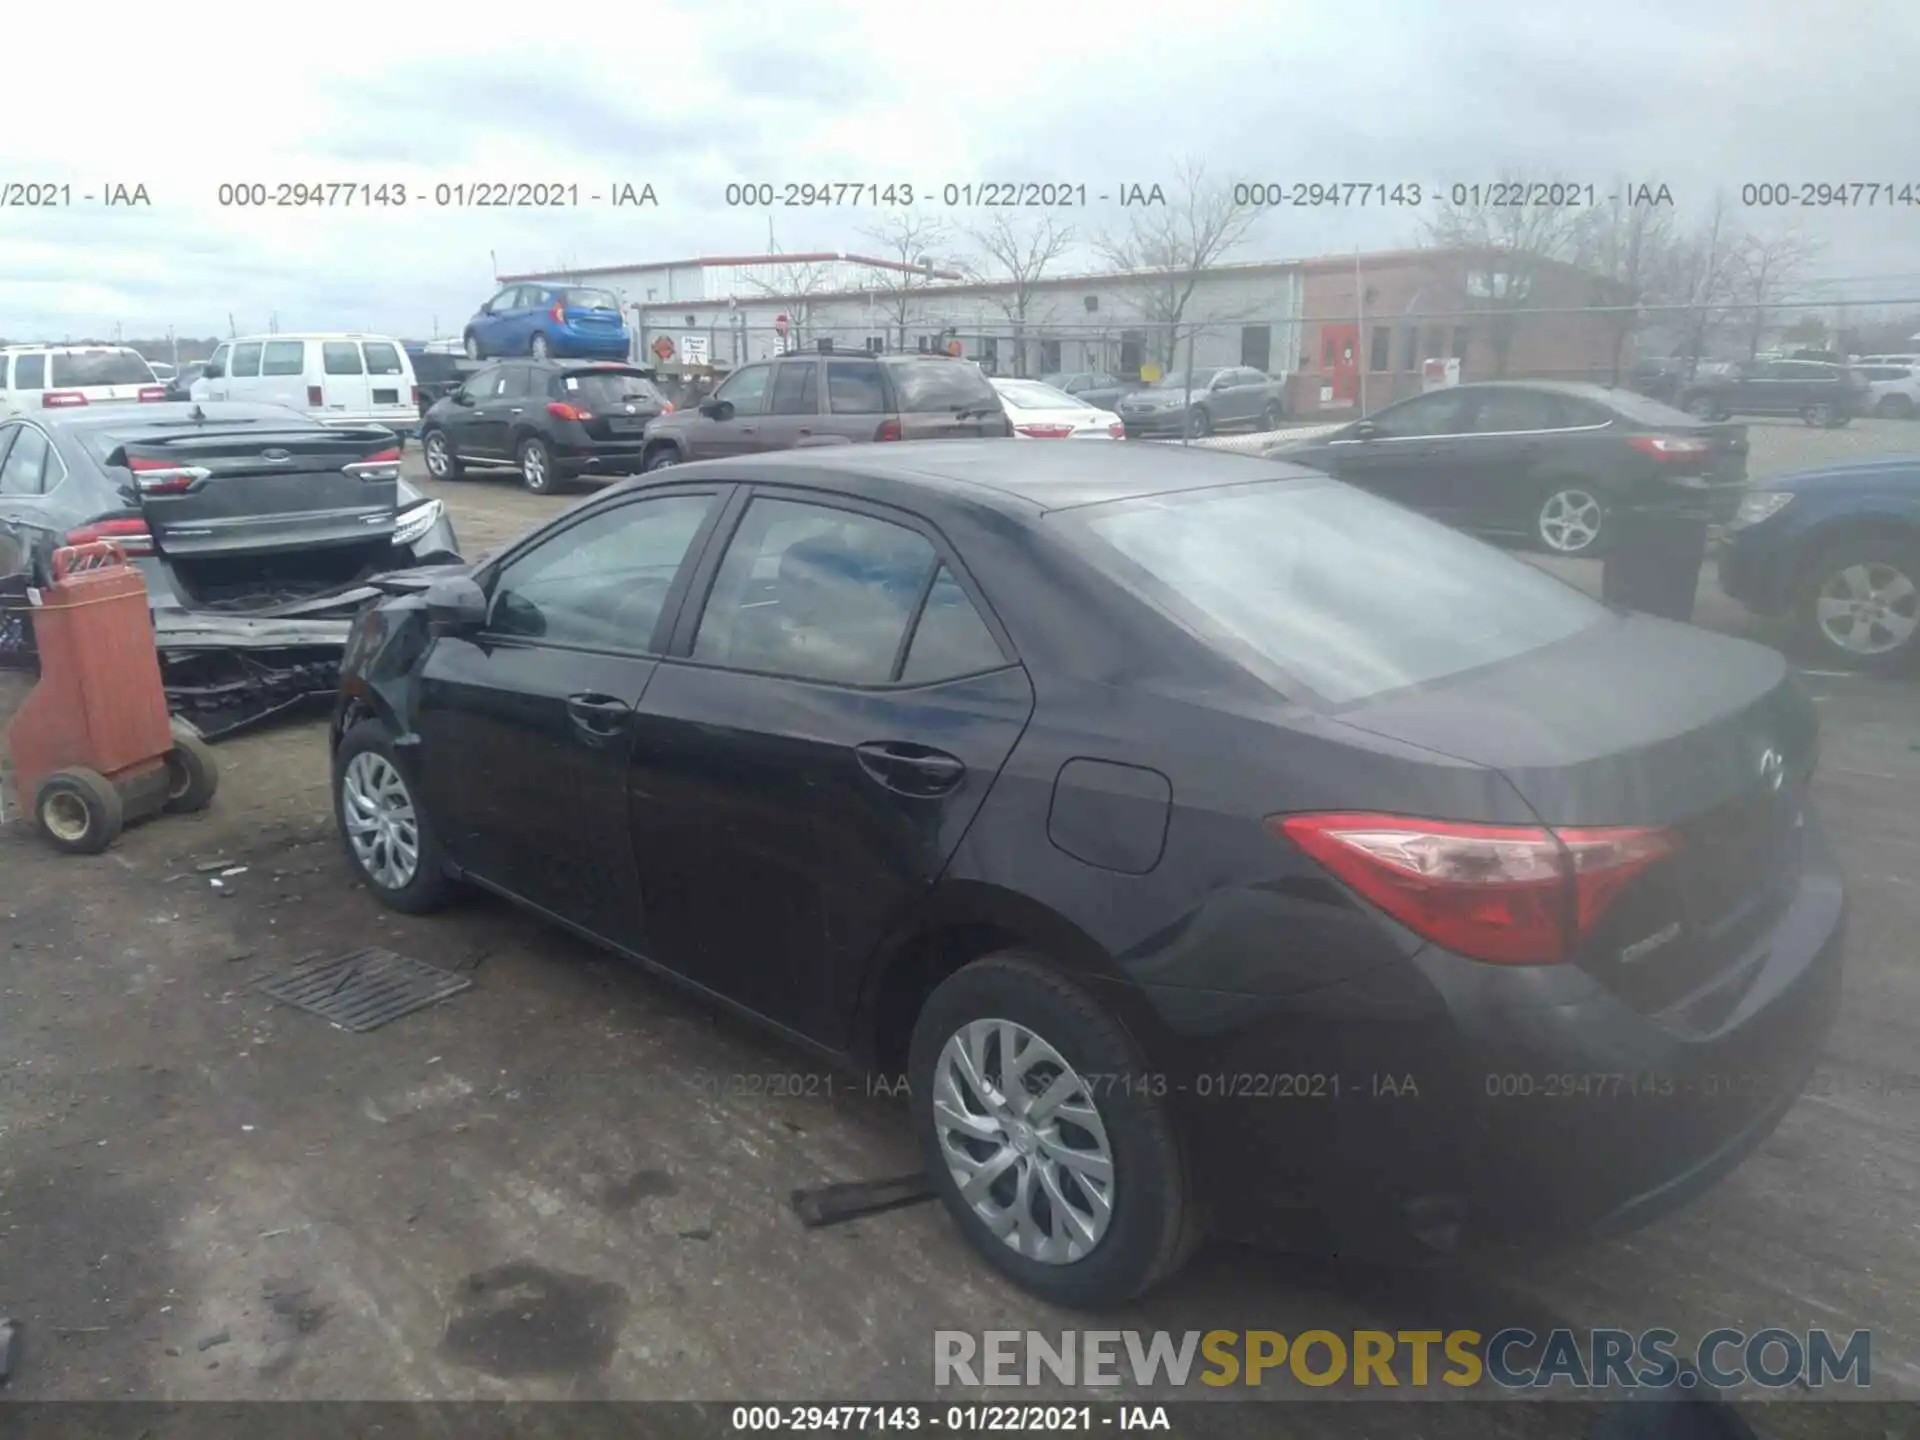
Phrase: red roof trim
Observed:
(811, 257)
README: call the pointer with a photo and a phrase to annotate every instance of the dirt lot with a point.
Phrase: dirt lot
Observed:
(557, 1184)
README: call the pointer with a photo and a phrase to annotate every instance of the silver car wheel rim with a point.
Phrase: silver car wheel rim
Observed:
(539, 347)
(533, 465)
(473, 348)
(380, 820)
(1700, 408)
(1868, 609)
(1024, 1141)
(1570, 521)
(436, 457)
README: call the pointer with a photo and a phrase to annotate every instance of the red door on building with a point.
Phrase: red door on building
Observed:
(1340, 361)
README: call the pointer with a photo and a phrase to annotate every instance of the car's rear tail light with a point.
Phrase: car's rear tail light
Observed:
(381, 465)
(1117, 431)
(164, 477)
(1509, 894)
(889, 430)
(152, 394)
(1669, 447)
(558, 314)
(61, 399)
(132, 536)
(666, 407)
(561, 410)
(416, 396)
(315, 396)
(1044, 432)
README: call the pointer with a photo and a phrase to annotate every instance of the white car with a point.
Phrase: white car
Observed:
(1040, 412)
(162, 371)
(341, 379)
(55, 377)
(1892, 390)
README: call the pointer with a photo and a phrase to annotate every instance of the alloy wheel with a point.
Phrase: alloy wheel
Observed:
(1819, 416)
(1570, 521)
(380, 820)
(473, 347)
(1024, 1141)
(437, 458)
(533, 467)
(1870, 608)
(1700, 407)
(539, 347)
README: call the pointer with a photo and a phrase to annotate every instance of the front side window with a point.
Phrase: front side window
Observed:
(1442, 413)
(746, 391)
(815, 594)
(284, 357)
(246, 360)
(216, 364)
(341, 357)
(600, 584)
(25, 464)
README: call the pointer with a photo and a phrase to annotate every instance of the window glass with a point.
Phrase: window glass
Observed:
(602, 583)
(100, 367)
(746, 390)
(591, 300)
(30, 372)
(25, 463)
(815, 593)
(607, 388)
(951, 638)
(1380, 357)
(284, 357)
(1441, 413)
(854, 388)
(795, 388)
(932, 386)
(1501, 411)
(341, 357)
(515, 380)
(1347, 593)
(485, 385)
(382, 358)
(216, 365)
(246, 361)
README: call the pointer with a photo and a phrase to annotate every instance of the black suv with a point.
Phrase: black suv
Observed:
(828, 398)
(553, 420)
(1820, 394)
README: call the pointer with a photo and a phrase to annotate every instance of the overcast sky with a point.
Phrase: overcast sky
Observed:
(1700, 96)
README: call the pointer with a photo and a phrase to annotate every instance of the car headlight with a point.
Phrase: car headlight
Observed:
(1759, 506)
(417, 521)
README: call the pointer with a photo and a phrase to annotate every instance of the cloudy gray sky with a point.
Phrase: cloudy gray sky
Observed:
(1704, 96)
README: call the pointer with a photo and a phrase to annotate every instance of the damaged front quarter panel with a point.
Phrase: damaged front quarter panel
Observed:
(378, 672)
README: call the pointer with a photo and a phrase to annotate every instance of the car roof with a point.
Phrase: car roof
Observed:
(1006, 474)
(70, 349)
(313, 335)
(136, 417)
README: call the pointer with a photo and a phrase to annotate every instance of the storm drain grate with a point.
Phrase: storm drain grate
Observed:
(365, 989)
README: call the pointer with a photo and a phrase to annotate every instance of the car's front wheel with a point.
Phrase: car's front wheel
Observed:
(1571, 521)
(387, 834)
(1044, 1135)
(1819, 415)
(659, 458)
(1860, 605)
(474, 352)
(442, 463)
(1701, 407)
(1199, 423)
(538, 347)
(1895, 407)
(1271, 417)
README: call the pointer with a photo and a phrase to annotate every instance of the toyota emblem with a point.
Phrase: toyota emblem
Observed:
(1773, 768)
(276, 455)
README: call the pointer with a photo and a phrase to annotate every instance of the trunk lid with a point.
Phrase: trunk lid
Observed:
(619, 403)
(254, 491)
(1642, 722)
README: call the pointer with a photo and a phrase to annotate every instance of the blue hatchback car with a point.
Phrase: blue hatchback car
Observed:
(1838, 549)
(549, 322)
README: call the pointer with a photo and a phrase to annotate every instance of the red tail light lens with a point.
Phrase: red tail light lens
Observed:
(1044, 432)
(315, 396)
(131, 535)
(151, 394)
(666, 407)
(1117, 431)
(889, 430)
(164, 477)
(1669, 447)
(558, 314)
(416, 396)
(560, 410)
(1508, 894)
(381, 465)
(61, 399)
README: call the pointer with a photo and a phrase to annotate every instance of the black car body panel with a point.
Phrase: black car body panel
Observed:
(1112, 788)
(592, 415)
(1777, 387)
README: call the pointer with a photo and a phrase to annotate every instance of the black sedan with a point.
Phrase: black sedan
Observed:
(1204, 839)
(1550, 463)
(552, 420)
(259, 531)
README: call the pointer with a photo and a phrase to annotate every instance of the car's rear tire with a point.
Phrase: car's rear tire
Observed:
(1895, 407)
(437, 450)
(1820, 415)
(1571, 521)
(1199, 423)
(79, 810)
(536, 466)
(193, 775)
(659, 457)
(538, 347)
(388, 837)
(470, 342)
(1078, 1162)
(1859, 605)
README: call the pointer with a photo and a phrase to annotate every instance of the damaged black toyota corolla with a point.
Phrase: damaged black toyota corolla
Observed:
(260, 532)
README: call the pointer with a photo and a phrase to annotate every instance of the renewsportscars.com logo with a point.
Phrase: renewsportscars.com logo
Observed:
(1511, 1359)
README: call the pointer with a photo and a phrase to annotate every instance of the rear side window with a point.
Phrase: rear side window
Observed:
(26, 463)
(30, 372)
(246, 360)
(341, 357)
(1504, 411)
(854, 388)
(795, 389)
(934, 386)
(951, 638)
(382, 358)
(284, 357)
(1346, 594)
(99, 367)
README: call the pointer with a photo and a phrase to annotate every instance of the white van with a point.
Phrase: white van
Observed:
(53, 377)
(336, 379)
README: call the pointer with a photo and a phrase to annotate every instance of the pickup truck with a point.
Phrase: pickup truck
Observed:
(1210, 399)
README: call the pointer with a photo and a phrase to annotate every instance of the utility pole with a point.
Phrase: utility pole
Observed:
(1360, 352)
(233, 331)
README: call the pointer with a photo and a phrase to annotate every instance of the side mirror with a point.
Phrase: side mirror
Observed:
(1366, 430)
(716, 409)
(461, 397)
(456, 604)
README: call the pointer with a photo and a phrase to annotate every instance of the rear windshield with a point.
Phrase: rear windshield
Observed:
(591, 300)
(610, 387)
(1346, 594)
(99, 367)
(1027, 395)
(931, 386)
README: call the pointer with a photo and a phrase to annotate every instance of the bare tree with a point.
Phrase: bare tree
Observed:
(1630, 244)
(1166, 249)
(910, 239)
(1700, 278)
(797, 282)
(1767, 269)
(1017, 256)
(1512, 246)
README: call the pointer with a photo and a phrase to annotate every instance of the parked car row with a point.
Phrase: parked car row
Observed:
(1196, 403)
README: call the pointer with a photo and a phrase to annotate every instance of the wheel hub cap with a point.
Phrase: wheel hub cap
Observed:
(380, 821)
(1570, 520)
(1024, 1141)
(1868, 609)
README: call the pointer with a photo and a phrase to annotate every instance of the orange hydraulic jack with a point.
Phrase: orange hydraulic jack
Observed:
(92, 744)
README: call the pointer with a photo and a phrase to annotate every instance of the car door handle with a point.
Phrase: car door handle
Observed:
(516, 409)
(806, 430)
(911, 769)
(598, 717)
